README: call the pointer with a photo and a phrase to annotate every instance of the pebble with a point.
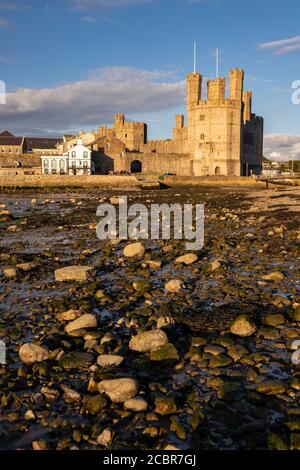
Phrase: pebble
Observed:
(137, 404)
(74, 273)
(187, 259)
(85, 321)
(272, 387)
(243, 326)
(30, 353)
(119, 390)
(173, 286)
(134, 250)
(149, 340)
(108, 360)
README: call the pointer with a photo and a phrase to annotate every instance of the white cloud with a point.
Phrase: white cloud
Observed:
(91, 102)
(282, 147)
(283, 46)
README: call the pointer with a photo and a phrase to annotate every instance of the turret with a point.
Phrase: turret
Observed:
(119, 119)
(216, 89)
(194, 85)
(179, 121)
(247, 102)
(236, 82)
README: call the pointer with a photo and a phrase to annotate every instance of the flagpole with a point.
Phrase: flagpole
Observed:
(195, 57)
(217, 59)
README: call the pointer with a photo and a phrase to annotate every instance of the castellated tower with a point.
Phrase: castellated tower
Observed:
(236, 83)
(215, 126)
(194, 88)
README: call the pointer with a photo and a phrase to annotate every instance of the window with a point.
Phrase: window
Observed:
(202, 117)
(126, 136)
(73, 154)
(85, 164)
(85, 155)
(74, 165)
(202, 136)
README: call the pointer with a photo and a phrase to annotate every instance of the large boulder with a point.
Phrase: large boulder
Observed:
(243, 326)
(30, 353)
(81, 323)
(119, 390)
(75, 273)
(149, 340)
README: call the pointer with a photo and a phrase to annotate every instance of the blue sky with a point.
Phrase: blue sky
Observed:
(72, 64)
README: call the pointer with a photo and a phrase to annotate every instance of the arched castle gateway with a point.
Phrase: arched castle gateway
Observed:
(221, 137)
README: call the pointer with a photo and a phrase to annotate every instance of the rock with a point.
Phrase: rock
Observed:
(149, 340)
(115, 200)
(10, 273)
(214, 265)
(108, 360)
(137, 404)
(268, 332)
(71, 396)
(12, 228)
(214, 350)
(168, 352)
(93, 405)
(274, 319)
(85, 321)
(119, 390)
(105, 438)
(220, 361)
(134, 250)
(243, 326)
(171, 447)
(29, 415)
(69, 315)
(173, 286)
(141, 286)
(162, 322)
(237, 351)
(276, 276)
(75, 273)
(154, 264)
(76, 360)
(30, 353)
(296, 314)
(187, 259)
(272, 387)
(295, 383)
(165, 406)
(26, 267)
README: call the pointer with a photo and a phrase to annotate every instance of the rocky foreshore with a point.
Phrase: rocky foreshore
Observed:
(130, 345)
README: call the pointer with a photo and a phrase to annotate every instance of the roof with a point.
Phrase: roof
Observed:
(11, 141)
(6, 134)
(42, 143)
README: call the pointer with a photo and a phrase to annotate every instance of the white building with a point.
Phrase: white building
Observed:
(76, 161)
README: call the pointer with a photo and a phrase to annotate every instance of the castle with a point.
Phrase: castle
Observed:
(221, 137)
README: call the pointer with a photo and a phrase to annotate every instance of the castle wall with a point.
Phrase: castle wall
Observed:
(158, 163)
